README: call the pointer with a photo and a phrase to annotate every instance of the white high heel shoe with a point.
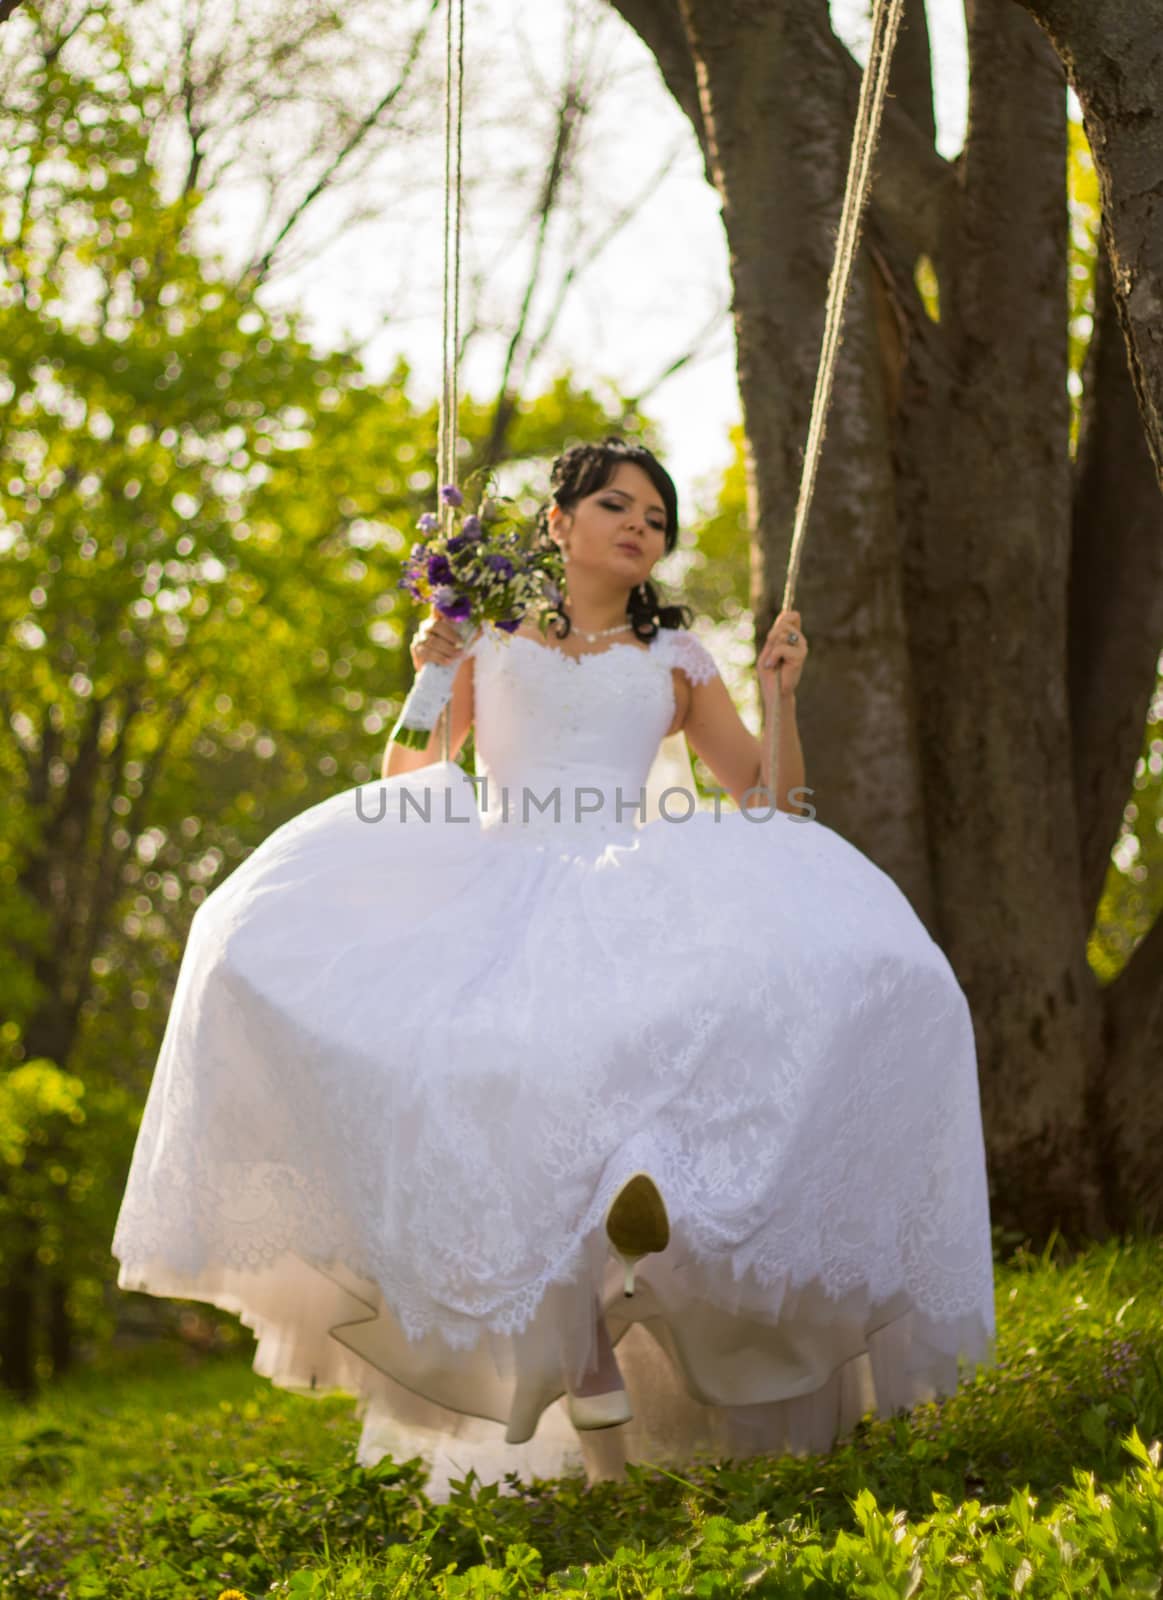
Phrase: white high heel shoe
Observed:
(599, 1410)
(637, 1223)
(611, 1406)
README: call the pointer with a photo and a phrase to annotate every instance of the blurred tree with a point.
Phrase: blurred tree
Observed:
(201, 525)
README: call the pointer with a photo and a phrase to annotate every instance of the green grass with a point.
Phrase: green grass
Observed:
(168, 1476)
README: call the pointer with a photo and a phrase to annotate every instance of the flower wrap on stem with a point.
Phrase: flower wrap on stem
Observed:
(428, 696)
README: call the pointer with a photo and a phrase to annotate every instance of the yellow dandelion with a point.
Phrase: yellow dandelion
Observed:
(232, 1594)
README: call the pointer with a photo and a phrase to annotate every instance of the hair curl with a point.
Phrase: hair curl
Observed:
(584, 469)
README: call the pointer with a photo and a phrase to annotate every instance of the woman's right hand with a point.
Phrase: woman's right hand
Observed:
(436, 639)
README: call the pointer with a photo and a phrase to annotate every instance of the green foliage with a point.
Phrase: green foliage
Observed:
(1040, 1477)
(63, 1149)
(717, 572)
(1132, 896)
(202, 523)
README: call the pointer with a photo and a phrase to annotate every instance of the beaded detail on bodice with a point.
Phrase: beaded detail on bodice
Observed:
(545, 721)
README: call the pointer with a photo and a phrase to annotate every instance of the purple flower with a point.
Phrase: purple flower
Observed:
(510, 627)
(451, 495)
(500, 564)
(408, 581)
(457, 542)
(416, 553)
(439, 570)
(450, 604)
(471, 527)
(429, 522)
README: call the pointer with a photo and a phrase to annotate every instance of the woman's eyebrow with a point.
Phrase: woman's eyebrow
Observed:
(626, 495)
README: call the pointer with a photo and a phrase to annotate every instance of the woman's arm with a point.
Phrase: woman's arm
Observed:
(717, 733)
(402, 758)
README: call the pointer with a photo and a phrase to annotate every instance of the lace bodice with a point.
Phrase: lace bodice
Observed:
(564, 741)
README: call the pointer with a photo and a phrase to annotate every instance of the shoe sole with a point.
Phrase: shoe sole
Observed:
(637, 1221)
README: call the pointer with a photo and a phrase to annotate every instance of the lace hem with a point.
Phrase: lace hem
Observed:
(744, 1281)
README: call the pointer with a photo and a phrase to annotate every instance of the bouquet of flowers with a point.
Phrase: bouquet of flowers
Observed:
(475, 569)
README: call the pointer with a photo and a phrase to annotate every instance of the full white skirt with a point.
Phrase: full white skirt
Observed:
(409, 1062)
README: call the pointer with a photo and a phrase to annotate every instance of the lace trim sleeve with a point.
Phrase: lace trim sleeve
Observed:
(691, 656)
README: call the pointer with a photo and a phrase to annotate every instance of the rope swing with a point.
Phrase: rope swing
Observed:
(446, 452)
(886, 17)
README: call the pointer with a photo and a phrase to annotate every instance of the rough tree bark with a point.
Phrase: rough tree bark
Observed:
(780, 160)
(988, 564)
(1116, 589)
(958, 731)
(1112, 55)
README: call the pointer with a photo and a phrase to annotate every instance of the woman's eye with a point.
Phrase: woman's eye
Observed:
(616, 505)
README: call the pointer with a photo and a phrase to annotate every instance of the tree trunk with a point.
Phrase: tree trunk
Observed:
(1134, 1089)
(1110, 49)
(988, 603)
(18, 1322)
(1116, 590)
(941, 534)
(770, 78)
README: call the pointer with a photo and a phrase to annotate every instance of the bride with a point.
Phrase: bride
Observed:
(561, 1121)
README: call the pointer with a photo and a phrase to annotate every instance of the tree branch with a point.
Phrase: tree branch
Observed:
(1116, 590)
(1132, 1085)
(257, 271)
(911, 183)
(1110, 49)
(910, 84)
(570, 115)
(691, 354)
(1137, 992)
(911, 179)
(659, 24)
(621, 218)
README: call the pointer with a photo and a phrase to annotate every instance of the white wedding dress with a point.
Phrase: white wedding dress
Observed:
(410, 1060)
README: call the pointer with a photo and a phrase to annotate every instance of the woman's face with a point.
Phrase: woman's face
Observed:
(619, 531)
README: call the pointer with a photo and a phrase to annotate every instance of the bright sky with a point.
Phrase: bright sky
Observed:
(648, 295)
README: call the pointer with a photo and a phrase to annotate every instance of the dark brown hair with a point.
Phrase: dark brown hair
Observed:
(583, 470)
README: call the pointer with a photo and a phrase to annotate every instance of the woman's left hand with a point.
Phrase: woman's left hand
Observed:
(778, 652)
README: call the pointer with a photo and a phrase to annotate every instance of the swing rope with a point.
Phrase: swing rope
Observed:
(446, 451)
(886, 16)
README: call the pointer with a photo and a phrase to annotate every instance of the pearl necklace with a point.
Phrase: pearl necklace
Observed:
(602, 632)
